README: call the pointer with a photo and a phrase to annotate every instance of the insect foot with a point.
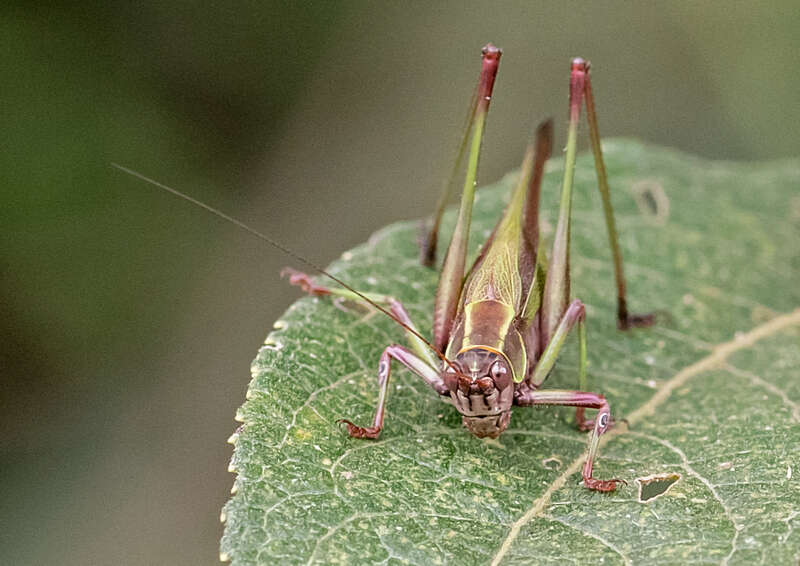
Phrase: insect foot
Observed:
(356, 431)
(634, 320)
(602, 485)
(302, 280)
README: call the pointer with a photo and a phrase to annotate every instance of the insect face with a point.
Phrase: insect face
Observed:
(484, 392)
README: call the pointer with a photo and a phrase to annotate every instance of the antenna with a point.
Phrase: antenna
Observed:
(285, 250)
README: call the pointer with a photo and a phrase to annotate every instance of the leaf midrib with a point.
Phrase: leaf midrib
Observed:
(720, 353)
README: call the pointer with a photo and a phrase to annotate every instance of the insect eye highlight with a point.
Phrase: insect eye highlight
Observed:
(498, 370)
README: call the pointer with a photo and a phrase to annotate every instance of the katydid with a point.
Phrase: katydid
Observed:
(502, 324)
(499, 326)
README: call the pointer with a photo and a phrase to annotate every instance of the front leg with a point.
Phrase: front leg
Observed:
(581, 399)
(420, 367)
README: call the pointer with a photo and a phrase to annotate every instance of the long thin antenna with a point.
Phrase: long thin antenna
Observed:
(285, 250)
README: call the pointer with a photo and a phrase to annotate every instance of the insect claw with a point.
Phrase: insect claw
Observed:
(288, 272)
(356, 431)
(303, 280)
(604, 486)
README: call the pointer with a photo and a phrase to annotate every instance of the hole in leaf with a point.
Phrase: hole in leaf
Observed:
(552, 463)
(655, 486)
(651, 200)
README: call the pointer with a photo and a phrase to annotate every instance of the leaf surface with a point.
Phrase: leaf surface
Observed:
(712, 394)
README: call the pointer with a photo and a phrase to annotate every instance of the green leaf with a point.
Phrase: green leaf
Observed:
(712, 394)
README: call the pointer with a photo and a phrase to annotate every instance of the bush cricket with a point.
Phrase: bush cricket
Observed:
(498, 327)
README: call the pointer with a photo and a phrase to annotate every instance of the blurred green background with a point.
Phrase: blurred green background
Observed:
(129, 319)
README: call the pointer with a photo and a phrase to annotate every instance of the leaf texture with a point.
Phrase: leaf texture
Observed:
(711, 393)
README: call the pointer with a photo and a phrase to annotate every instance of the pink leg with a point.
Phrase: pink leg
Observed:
(302, 280)
(396, 308)
(601, 424)
(575, 314)
(417, 365)
(586, 424)
(583, 423)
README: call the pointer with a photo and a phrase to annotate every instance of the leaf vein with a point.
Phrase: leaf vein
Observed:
(595, 536)
(772, 388)
(715, 359)
(705, 481)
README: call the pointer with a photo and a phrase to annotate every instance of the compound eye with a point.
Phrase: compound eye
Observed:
(498, 370)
